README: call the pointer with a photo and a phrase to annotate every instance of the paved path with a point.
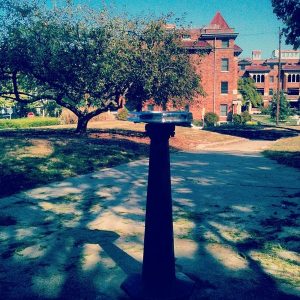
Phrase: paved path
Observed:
(78, 239)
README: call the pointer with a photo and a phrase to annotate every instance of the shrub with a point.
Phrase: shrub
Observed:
(237, 119)
(28, 122)
(265, 110)
(122, 114)
(246, 117)
(211, 119)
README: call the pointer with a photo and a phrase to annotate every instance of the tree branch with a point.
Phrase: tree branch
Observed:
(61, 102)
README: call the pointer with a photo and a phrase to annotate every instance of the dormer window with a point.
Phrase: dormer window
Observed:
(225, 43)
(186, 36)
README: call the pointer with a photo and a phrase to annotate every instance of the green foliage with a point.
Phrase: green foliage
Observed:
(246, 117)
(288, 12)
(266, 110)
(162, 69)
(237, 119)
(211, 119)
(284, 107)
(86, 59)
(246, 87)
(28, 122)
(52, 109)
(241, 119)
(122, 114)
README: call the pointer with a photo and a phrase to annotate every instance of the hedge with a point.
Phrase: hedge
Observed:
(28, 122)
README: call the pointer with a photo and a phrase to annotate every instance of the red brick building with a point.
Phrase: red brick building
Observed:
(218, 67)
(265, 74)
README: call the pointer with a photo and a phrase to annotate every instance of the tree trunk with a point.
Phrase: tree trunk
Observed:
(82, 124)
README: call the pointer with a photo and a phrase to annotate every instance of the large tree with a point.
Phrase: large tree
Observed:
(86, 60)
(250, 96)
(77, 57)
(163, 70)
(289, 11)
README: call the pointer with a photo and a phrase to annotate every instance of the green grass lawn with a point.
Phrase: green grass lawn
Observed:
(27, 162)
(28, 122)
(286, 151)
(33, 157)
(265, 119)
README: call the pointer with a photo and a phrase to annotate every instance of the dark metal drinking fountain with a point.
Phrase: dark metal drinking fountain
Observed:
(159, 279)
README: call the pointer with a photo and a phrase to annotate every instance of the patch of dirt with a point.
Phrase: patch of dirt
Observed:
(40, 148)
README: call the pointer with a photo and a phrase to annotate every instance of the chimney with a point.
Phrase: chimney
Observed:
(256, 54)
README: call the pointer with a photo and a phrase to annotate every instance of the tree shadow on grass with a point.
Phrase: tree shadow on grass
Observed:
(78, 239)
(260, 133)
(26, 166)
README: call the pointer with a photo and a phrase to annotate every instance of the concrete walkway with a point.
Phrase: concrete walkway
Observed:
(236, 224)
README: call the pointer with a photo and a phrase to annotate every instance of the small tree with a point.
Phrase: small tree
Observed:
(284, 107)
(246, 87)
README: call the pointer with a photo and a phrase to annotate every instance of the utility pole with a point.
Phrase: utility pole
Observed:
(278, 79)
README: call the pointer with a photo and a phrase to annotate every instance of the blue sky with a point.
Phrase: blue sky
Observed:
(255, 21)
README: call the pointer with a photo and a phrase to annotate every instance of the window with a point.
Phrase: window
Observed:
(223, 110)
(150, 107)
(225, 43)
(293, 92)
(271, 92)
(242, 67)
(186, 37)
(271, 79)
(225, 64)
(259, 78)
(224, 87)
(293, 78)
(260, 91)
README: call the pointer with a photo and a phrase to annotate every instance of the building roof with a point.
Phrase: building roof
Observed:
(245, 61)
(258, 68)
(291, 68)
(196, 44)
(283, 61)
(237, 49)
(218, 22)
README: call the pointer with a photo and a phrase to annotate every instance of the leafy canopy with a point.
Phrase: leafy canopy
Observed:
(85, 60)
(289, 12)
(284, 107)
(246, 87)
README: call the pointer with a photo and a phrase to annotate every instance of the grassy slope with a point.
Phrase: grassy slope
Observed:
(286, 151)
